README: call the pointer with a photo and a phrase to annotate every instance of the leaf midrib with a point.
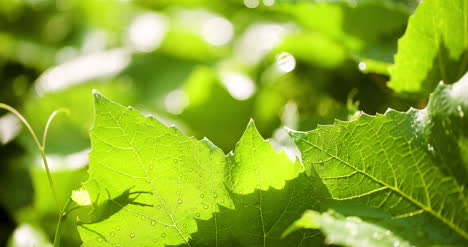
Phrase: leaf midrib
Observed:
(396, 190)
(174, 223)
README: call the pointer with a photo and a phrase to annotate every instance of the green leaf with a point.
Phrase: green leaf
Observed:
(268, 191)
(148, 182)
(361, 28)
(434, 47)
(348, 231)
(255, 165)
(151, 185)
(398, 161)
(405, 5)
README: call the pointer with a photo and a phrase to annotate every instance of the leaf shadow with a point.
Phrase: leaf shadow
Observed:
(112, 205)
(261, 217)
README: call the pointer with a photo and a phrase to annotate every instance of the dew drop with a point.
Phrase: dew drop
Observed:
(132, 235)
(191, 170)
(117, 228)
(460, 111)
(205, 206)
(179, 201)
(155, 240)
(112, 234)
(220, 185)
(163, 234)
(158, 207)
(362, 66)
(285, 62)
(148, 181)
(198, 214)
(175, 161)
(100, 239)
(202, 195)
(150, 168)
(153, 222)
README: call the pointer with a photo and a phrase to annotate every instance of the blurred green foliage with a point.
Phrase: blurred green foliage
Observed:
(205, 66)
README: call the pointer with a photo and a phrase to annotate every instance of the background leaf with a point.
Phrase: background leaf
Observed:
(432, 49)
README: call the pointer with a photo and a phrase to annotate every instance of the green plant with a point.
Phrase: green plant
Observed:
(391, 179)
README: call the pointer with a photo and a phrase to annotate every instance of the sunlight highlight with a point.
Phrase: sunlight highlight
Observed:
(27, 236)
(285, 62)
(9, 128)
(239, 86)
(258, 40)
(176, 101)
(147, 32)
(268, 2)
(66, 162)
(93, 66)
(217, 31)
(251, 3)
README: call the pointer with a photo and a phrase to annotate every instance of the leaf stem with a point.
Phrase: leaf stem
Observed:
(44, 158)
(63, 215)
(38, 144)
(22, 119)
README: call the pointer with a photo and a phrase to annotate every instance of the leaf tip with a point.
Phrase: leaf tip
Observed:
(251, 130)
(97, 95)
(294, 134)
(251, 123)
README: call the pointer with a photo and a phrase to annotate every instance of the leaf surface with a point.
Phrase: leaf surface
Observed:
(434, 47)
(391, 161)
(347, 231)
(148, 182)
(153, 186)
(269, 192)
